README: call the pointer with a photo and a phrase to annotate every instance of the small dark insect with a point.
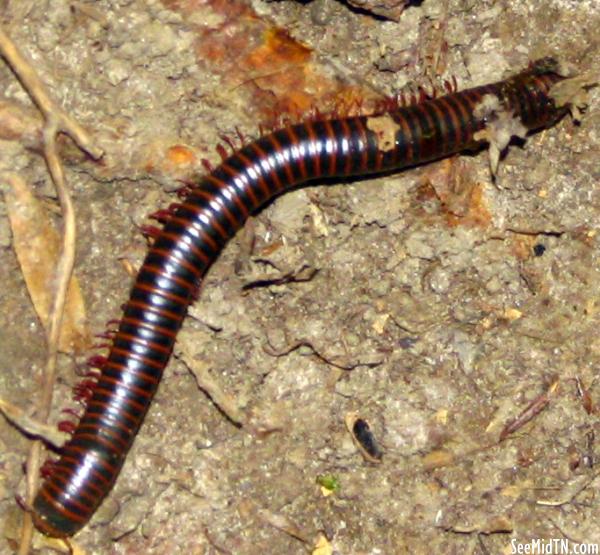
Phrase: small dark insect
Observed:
(539, 249)
(197, 229)
(364, 438)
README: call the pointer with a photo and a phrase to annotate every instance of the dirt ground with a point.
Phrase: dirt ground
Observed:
(432, 302)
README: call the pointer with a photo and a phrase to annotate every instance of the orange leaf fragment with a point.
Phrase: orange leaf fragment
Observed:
(37, 246)
(180, 155)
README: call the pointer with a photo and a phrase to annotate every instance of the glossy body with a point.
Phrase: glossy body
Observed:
(212, 213)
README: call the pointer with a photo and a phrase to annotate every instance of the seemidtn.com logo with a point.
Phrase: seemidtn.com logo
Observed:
(553, 546)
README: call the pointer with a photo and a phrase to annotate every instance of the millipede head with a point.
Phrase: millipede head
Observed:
(545, 65)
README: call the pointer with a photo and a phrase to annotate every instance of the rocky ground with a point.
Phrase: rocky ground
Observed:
(433, 302)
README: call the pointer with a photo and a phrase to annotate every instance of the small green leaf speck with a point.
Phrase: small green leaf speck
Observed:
(329, 481)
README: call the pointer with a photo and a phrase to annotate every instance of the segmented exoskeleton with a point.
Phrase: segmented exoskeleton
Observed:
(211, 214)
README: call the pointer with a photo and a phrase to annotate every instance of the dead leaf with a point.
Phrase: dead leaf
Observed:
(37, 246)
(322, 546)
(438, 459)
(29, 425)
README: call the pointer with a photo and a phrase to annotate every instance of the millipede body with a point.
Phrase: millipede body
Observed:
(211, 214)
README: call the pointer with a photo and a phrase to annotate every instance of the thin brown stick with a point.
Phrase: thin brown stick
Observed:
(37, 91)
(56, 121)
(531, 410)
(63, 274)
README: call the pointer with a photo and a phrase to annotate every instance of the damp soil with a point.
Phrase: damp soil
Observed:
(434, 303)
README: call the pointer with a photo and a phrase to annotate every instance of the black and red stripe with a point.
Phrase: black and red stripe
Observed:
(194, 236)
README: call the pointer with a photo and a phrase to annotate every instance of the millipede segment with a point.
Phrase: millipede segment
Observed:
(196, 231)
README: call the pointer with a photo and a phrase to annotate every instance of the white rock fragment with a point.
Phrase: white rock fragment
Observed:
(501, 126)
(385, 129)
(117, 71)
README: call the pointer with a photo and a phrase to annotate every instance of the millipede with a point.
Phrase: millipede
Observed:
(197, 229)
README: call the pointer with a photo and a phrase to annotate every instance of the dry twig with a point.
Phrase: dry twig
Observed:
(56, 121)
(571, 490)
(531, 410)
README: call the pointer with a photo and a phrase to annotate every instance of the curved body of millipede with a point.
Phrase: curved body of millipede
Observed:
(211, 214)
